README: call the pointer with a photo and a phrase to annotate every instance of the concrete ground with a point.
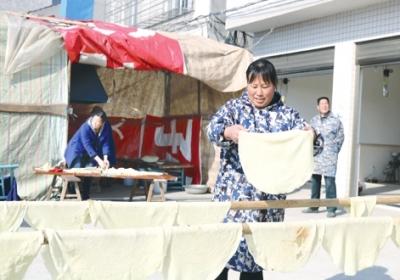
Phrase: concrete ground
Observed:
(318, 267)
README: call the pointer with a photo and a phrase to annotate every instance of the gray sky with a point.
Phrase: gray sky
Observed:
(23, 5)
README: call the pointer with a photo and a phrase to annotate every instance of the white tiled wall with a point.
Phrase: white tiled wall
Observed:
(369, 22)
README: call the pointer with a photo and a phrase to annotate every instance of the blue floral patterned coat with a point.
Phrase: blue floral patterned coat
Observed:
(232, 184)
(331, 129)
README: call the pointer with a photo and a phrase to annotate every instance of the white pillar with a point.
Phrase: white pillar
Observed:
(345, 104)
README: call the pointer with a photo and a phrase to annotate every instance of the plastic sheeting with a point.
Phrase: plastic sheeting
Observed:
(28, 44)
(32, 139)
(133, 94)
(221, 66)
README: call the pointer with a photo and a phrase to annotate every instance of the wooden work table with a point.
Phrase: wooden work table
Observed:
(175, 168)
(150, 179)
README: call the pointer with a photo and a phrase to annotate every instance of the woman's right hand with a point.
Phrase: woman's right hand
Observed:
(100, 162)
(232, 132)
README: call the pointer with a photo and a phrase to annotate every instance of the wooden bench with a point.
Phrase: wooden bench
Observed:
(149, 189)
(65, 190)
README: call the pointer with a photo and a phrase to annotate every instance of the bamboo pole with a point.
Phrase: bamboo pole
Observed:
(246, 229)
(51, 109)
(300, 203)
(49, 19)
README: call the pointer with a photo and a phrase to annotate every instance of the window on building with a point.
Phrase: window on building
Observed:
(145, 13)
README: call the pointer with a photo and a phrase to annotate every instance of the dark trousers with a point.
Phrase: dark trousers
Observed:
(330, 189)
(82, 162)
(243, 275)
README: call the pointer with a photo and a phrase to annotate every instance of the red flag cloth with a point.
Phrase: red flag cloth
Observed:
(116, 46)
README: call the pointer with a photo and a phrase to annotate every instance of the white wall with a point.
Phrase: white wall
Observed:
(230, 4)
(23, 5)
(50, 11)
(217, 5)
(99, 11)
(381, 20)
(379, 122)
(380, 116)
(303, 92)
(202, 7)
(373, 160)
(345, 103)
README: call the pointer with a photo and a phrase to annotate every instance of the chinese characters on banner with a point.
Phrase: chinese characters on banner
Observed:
(172, 139)
(175, 139)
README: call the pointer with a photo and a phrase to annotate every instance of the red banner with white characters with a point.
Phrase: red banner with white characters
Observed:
(175, 139)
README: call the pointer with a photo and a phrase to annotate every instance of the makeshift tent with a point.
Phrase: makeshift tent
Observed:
(189, 75)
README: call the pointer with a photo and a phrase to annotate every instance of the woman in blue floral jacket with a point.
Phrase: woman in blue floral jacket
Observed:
(258, 109)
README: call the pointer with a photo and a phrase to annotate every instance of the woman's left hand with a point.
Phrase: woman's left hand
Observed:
(107, 163)
(307, 127)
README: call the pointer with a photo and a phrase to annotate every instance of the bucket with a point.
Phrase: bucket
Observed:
(128, 182)
(158, 185)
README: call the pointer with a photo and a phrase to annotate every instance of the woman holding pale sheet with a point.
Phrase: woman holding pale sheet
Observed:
(259, 109)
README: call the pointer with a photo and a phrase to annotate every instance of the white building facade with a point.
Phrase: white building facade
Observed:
(169, 15)
(346, 50)
(336, 48)
(205, 18)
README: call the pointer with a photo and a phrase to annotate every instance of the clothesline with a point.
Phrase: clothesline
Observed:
(75, 214)
(300, 203)
(245, 231)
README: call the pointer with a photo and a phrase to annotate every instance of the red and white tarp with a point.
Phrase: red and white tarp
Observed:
(116, 46)
(34, 40)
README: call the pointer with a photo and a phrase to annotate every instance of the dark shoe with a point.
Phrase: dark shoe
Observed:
(310, 210)
(331, 215)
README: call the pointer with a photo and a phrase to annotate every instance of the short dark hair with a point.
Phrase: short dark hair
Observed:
(262, 67)
(98, 111)
(322, 98)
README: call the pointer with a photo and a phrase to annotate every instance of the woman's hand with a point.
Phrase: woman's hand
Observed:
(232, 132)
(307, 127)
(107, 163)
(100, 162)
